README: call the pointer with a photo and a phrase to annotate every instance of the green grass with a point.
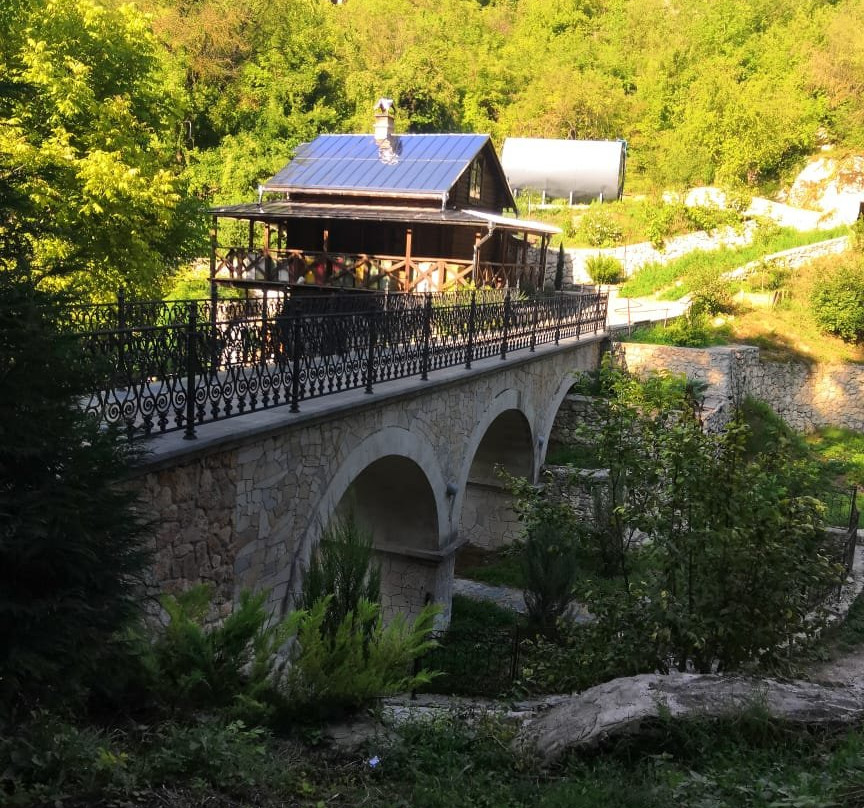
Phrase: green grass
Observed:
(671, 279)
(842, 451)
(500, 568)
(745, 761)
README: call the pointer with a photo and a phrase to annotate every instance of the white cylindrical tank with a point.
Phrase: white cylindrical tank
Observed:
(577, 170)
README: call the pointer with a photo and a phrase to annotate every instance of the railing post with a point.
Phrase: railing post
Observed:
(427, 337)
(122, 336)
(214, 332)
(558, 316)
(370, 353)
(506, 328)
(296, 355)
(472, 313)
(191, 357)
(534, 314)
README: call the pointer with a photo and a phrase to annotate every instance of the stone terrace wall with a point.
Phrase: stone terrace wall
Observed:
(634, 256)
(807, 396)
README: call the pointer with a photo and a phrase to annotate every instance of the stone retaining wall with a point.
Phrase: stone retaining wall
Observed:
(806, 396)
(634, 256)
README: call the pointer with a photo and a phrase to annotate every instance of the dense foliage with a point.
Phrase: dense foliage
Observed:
(119, 120)
(838, 301)
(71, 547)
(715, 541)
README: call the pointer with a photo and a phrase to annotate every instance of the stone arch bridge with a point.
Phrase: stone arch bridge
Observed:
(243, 504)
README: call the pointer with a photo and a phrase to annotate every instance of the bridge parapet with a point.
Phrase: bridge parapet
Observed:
(175, 366)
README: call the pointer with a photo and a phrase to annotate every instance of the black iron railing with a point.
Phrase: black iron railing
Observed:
(474, 663)
(160, 367)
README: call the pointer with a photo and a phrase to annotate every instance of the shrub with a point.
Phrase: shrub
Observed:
(734, 532)
(710, 291)
(710, 217)
(856, 233)
(550, 554)
(72, 550)
(604, 269)
(838, 302)
(225, 666)
(598, 228)
(334, 673)
(342, 569)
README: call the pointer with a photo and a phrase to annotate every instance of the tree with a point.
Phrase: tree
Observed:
(71, 552)
(89, 137)
(738, 562)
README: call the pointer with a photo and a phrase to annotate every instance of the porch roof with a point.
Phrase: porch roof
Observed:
(280, 211)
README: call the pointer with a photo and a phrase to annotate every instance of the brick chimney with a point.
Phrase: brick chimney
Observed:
(385, 113)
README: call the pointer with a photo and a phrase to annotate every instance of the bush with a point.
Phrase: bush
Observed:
(225, 666)
(710, 291)
(342, 569)
(335, 673)
(604, 269)
(838, 302)
(598, 228)
(72, 551)
(710, 217)
(550, 555)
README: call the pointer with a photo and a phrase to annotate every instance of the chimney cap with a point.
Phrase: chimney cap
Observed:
(385, 106)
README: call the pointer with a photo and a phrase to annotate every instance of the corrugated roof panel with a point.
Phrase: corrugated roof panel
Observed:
(423, 164)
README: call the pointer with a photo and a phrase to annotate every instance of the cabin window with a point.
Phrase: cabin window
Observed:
(475, 186)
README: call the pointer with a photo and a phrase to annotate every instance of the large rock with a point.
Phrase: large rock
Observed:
(623, 706)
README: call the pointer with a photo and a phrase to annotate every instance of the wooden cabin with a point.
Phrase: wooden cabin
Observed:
(403, 212)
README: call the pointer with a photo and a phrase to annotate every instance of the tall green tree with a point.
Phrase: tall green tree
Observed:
(71, 544)
(89, 137)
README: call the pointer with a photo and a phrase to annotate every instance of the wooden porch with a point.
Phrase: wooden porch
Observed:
(405, 273)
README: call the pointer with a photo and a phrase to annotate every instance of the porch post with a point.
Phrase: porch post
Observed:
(409, 270)
(251, 234)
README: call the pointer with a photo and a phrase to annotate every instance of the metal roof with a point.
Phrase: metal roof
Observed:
(411, 165)
(277, 211)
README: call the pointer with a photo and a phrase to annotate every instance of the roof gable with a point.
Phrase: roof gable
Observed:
(409, 165)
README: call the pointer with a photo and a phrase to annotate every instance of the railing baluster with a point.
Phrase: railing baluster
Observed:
(370, 353)
(191, 328)
(506, 325)
(427, 337)
(296, 355)
(472, 313)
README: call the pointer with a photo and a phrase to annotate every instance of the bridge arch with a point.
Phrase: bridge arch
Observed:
(394, 486)
(503, 436)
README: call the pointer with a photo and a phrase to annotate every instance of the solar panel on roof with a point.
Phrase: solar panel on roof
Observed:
(422, 164)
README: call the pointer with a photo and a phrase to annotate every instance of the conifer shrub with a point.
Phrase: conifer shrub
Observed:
(223, 666)
(71, 543)
(338, 672)
(604, 269)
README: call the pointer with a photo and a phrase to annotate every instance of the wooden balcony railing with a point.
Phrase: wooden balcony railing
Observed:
(362, 271)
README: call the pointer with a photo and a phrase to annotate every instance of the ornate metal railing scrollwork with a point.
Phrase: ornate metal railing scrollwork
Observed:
(161, 367)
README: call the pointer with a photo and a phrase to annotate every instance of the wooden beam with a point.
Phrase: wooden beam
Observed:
(409, 270)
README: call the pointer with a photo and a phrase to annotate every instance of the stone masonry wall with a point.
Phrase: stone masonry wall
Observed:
(244, 511)
(807, 396)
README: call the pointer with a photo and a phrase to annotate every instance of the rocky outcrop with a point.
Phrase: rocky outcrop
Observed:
(626, 706)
